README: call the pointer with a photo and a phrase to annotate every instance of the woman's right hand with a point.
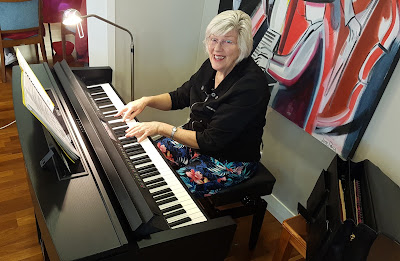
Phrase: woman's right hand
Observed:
(132, 109)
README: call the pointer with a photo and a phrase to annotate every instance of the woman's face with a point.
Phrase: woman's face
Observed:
(223, 51)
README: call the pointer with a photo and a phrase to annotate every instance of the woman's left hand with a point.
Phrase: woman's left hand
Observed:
(143, 129)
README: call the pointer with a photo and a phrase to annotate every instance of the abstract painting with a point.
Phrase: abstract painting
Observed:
(331, 60)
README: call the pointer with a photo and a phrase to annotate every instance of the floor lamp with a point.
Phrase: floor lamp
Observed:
(74, 17)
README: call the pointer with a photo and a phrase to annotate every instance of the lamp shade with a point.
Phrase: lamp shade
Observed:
(72, 17)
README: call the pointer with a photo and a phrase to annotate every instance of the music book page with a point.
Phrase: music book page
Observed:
(37, 101)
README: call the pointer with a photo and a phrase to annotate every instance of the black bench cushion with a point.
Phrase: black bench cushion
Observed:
(260, 184)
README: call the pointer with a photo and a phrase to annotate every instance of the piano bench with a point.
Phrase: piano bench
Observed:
(249, 194)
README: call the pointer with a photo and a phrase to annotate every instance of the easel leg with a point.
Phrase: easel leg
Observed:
(282, 253)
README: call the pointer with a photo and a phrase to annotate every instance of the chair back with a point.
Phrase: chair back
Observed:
(20, 24)
(20, 15)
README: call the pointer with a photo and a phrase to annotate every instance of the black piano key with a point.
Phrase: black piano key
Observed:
(134, 148)
(164, 195)
(120, 132)
(117, 124)
(138, 162)
(175, 213)
(143, 168)
(136, 152)
(99, 95)
(149, 174)
(148, 170)
(179, 222)
(95, 89)
(103, 102)
(167, 200)
(120, 129)
(157, 193)
(171, 208)
(111, 115)
(147, 183)
(127, 141)
(157, 185)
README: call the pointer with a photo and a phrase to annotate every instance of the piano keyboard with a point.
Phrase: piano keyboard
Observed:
(174, 201)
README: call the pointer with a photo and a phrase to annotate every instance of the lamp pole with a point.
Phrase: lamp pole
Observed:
(77, 13)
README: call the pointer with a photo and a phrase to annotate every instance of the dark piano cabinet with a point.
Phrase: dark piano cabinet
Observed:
(80, 218)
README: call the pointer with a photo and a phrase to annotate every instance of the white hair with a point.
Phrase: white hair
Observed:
(233, 20)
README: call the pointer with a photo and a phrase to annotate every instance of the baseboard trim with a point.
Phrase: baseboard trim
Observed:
(277, 208)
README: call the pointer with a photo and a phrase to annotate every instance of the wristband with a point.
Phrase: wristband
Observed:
(174, 129)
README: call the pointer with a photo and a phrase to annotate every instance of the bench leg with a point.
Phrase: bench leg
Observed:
(258, 218)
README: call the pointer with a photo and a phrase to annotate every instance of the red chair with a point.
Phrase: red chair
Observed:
(21, 23)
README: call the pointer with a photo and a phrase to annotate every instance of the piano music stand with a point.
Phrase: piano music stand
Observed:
(60, 164)
(63, 167)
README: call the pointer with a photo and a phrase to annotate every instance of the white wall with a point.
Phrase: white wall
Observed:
(100, 48)
(168, 39)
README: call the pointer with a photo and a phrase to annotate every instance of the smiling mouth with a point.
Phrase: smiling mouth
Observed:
(219, 57)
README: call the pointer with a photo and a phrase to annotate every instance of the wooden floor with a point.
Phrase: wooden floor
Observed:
(18, 237)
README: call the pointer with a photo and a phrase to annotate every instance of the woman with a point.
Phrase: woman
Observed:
(228, 97)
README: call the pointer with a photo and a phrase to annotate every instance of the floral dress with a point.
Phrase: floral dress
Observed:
(202, 174)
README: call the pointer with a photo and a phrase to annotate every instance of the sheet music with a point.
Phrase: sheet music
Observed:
(40, 105)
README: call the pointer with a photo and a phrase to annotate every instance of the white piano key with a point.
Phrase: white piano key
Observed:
(93, 86)
(110, 112)
(151, 178)
(119, 127)
(137, 156)
(105, 106)
(100, 99)
(96, 93)
(143, 164)
(158, 189)
(115, 121)
(167, 205)
(130, 144)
